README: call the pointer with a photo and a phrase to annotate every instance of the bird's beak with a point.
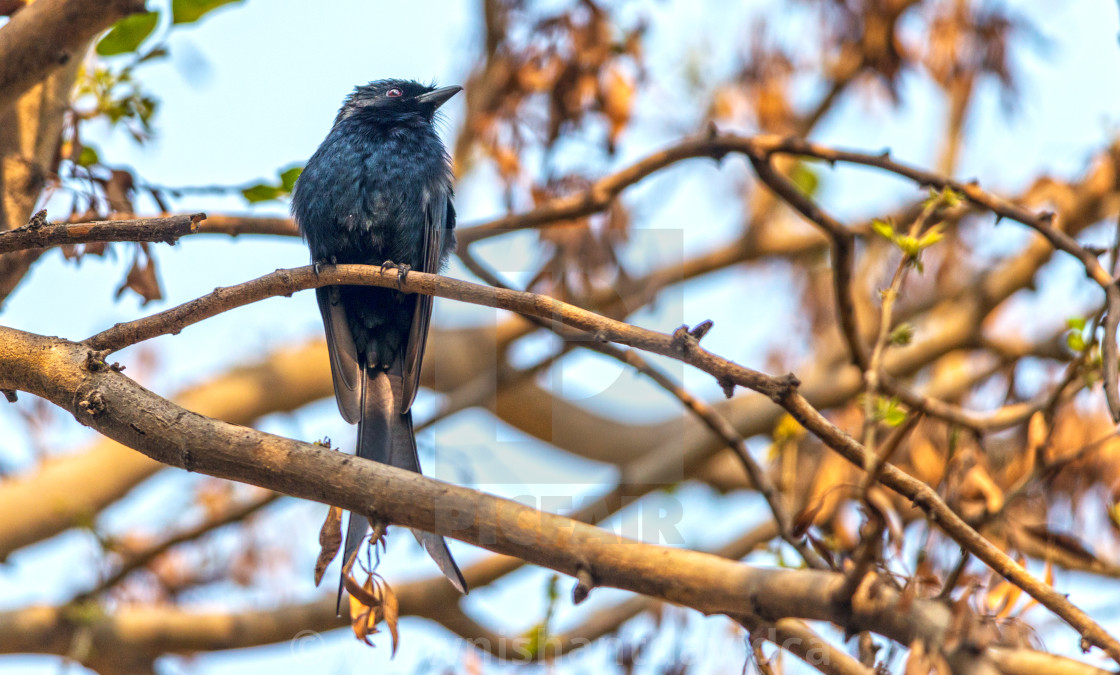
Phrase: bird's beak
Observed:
(439, 96)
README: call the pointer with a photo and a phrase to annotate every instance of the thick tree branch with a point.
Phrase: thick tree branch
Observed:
(116, 406)
(284, 380)
(46, 34)
(781, 390)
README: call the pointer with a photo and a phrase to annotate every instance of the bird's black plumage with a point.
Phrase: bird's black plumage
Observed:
(379, 188)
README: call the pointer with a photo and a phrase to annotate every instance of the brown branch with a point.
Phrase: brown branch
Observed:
(235, 226)
(782, 390)
(1030, 662)
(1110, 360)
(706, 413)
(1041, 223)
(925, 498)
(842, 242)
(113, 404)
(166, 230)
(798, 639)
(46, 34)
(600, 195)
(282, 380)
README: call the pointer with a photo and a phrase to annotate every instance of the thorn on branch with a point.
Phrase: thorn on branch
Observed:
(584, 583)
(683, 339)
(701, 329)
(727, 385)
(716, 152)
(38, 221)
(780, 388)
(10, 394)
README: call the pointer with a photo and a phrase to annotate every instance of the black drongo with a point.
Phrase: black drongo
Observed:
(377, 190)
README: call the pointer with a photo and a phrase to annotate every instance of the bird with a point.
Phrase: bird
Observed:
(379, 191)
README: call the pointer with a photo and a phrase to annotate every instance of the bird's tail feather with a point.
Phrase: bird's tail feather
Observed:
(386, 436)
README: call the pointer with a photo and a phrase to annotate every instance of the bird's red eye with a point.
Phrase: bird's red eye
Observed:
(394, 93)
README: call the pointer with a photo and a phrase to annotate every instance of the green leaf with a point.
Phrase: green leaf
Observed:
(931, 237)
(805, 179)
(894, 417)
(1076, 323)
(127, 34)
(884, 228)
(88, 156)
(260, 193)
(951, 198)
(189, 11)
(902, 334)
(889, 411)
(1075, 342)
(909, 246)
(288, 178)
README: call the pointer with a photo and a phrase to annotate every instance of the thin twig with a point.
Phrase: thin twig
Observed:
(141, 558)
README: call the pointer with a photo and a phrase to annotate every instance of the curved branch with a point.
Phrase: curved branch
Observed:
(114, 405)
(283, 380)
(781, 390)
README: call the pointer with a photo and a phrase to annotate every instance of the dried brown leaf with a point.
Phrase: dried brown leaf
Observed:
(926, 460)
(1037, 432)
(917, 663)
(978, 484)
(390, 609)
(143, 280)
(618, 101)
(330, 540)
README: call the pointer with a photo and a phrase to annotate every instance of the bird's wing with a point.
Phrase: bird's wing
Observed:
(437, 213)
(345, 371)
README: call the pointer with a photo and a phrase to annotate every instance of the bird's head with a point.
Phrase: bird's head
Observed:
(395, 102)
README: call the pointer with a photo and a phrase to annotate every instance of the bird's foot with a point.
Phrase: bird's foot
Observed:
(317, 265)
(402, 274)
(388, 265)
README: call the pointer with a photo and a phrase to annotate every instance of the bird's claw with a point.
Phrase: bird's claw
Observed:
(317, 265)
(402, 274)
(402, 271)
